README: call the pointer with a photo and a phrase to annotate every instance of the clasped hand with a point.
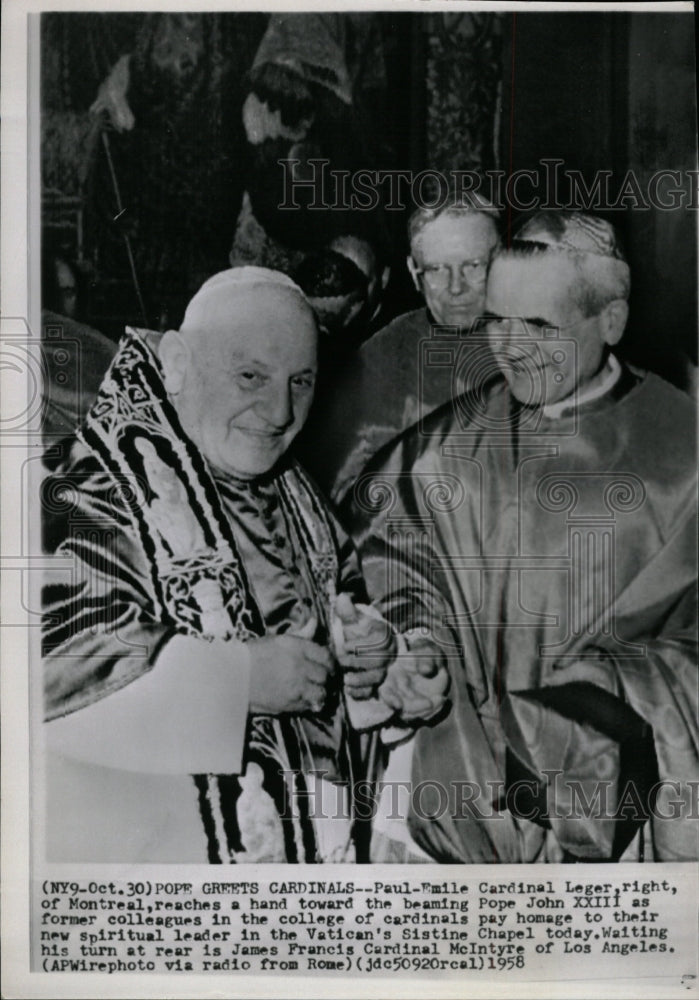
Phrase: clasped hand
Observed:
(364, 647)
(292, 673)
(414, 684)
(417, 683)
(289, 673)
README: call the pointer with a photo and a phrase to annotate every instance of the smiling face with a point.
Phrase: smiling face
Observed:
(543, 369)
(452, 252)
(244, 385)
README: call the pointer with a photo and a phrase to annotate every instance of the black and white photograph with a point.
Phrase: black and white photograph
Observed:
(350, 495)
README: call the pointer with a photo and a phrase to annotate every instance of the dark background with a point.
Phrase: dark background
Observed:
(461, 91)
(616, 92)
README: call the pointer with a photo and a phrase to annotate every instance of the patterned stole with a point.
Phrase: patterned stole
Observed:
(201, 587)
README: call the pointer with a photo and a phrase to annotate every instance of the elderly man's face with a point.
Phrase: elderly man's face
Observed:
(530, 300)
(249, 384)
(450, 257)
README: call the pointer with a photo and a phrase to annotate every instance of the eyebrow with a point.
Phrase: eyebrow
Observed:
(239, 359)
(534, 320)
(539, 321)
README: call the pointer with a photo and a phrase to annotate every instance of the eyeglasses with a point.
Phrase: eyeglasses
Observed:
(441, 276)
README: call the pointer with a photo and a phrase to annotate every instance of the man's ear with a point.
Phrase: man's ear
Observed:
(174, 353)
(412, 267)
(614, 316)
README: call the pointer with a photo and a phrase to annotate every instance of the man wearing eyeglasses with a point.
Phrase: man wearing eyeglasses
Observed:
(450, 251)
(543, 532)
(413, 364)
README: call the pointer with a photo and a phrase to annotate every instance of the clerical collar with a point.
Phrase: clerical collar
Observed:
(609, 376)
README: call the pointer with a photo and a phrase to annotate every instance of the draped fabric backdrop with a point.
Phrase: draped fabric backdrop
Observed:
(183, 168)
(464, 73)
(445, 91)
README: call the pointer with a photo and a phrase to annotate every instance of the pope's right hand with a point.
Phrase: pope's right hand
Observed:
(288, 673)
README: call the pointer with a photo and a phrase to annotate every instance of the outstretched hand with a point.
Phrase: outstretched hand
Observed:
(417, 683)
(364, 647)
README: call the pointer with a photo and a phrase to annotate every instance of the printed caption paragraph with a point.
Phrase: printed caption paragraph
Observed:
(526, 926)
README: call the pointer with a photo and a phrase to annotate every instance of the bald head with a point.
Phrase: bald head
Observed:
(241, 369)
(222, 299)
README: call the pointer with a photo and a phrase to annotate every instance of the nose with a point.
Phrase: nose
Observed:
(278, 408)
(457, 280)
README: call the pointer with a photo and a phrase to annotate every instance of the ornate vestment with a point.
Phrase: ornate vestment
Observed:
(163, 546)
